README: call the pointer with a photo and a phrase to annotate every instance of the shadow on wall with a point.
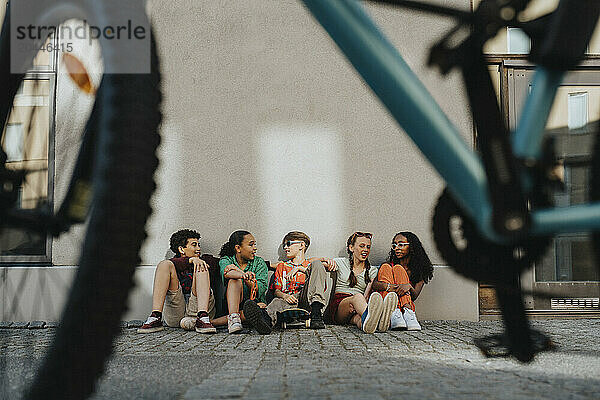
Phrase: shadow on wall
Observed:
(300, 175)
(167, 202)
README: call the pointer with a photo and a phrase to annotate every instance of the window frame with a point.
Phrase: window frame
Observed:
(46, 259)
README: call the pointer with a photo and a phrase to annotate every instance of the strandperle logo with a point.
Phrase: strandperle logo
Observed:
(116, 31)
(83, 32)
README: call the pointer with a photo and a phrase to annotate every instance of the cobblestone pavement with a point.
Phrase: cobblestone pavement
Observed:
(335, 363)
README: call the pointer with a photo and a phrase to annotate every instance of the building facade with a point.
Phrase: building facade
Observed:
(268, 128)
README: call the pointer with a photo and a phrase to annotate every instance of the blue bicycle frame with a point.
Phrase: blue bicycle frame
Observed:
(392, 80)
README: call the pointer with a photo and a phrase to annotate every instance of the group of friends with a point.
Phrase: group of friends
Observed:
(345, 290)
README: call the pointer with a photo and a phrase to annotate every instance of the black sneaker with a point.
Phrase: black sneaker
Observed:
(256, 317)
(316, 316)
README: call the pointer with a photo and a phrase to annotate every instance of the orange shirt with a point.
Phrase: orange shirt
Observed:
(286, 284)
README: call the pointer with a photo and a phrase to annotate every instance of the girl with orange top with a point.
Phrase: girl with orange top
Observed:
(407, 269)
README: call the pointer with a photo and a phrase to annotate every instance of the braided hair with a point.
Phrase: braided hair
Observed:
(419, 264)
(351, 241)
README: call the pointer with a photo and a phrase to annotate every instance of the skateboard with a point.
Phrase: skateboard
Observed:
(294, 317)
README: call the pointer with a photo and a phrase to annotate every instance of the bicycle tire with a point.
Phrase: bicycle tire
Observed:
(126, 115)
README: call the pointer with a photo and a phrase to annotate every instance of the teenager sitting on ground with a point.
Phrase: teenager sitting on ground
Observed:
(299, 283)
(243, 273)
(407, 269)
(353, 288)
(182, 288)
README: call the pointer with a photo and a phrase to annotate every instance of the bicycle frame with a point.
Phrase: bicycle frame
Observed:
(400, 90)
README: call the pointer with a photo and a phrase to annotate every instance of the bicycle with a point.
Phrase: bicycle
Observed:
(500, 197)
(110, 189)
(502, 227)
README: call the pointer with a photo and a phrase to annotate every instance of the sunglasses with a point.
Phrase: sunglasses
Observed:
(362, 234)
(288, 243)
(399, 244)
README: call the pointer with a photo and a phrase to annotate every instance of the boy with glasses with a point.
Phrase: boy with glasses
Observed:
(298, 283)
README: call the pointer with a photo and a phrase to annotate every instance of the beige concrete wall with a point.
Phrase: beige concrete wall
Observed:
(268, 128)
(39, 294)
(448, 296)
(29, 294)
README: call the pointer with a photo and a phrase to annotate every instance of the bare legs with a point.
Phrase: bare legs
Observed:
(165, 278)
(201, 289)
(234, 293)
(235, 290)
(351, 307)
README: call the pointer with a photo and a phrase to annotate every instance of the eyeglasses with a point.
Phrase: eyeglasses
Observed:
(399, 244)
(288, 243)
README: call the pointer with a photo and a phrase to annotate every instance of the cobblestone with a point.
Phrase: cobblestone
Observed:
(439, 362)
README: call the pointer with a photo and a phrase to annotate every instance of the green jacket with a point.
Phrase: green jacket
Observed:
(256, 265)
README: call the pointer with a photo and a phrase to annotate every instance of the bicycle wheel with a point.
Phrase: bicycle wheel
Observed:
(124, 124)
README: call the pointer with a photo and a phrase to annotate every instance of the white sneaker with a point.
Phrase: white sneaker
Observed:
(411, 320)
(370, 318)
(234, 323)
(390, 303)
(397, 320)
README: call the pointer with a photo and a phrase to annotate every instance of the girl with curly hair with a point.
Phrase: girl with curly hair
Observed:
(407, 269)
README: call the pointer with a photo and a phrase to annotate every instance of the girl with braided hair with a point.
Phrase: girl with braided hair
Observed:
(353, 287)
(407, 269)
(244, 276)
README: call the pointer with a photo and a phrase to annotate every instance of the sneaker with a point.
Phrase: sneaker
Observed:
(370, 318)
(256, 317)
(390, 303)
(411, 320)
(316, 316)
(203, 325)
(188, 323)
(234, 323)
(397, 321)
(152, 324)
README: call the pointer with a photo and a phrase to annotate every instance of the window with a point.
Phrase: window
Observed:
(517, 41)
(27, 141)
(577, 110)
(567, 269)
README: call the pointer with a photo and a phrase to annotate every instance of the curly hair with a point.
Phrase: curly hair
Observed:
(180, 238)
(351, 241)
(419, 264)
